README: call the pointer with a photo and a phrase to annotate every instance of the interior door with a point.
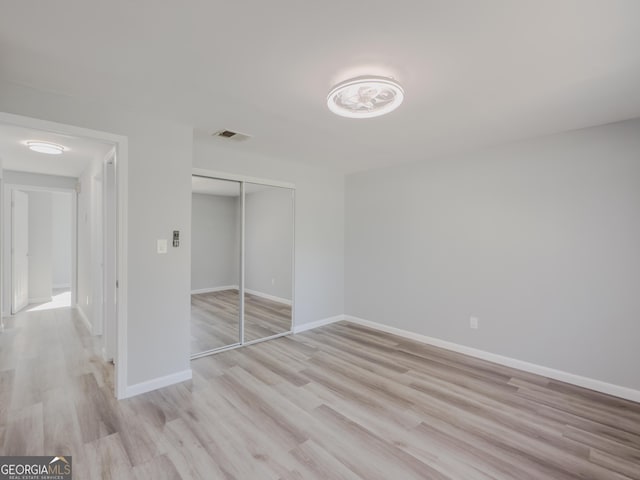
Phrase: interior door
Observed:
(20, 250)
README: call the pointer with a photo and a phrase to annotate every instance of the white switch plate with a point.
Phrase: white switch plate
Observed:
(162, 246)
(473, 323)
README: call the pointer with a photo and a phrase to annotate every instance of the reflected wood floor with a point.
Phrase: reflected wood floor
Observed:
(214, 319)
(339, 402)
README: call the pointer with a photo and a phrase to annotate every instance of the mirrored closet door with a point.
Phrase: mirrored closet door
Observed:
(268, 261)
(215, 264)
(242, 240)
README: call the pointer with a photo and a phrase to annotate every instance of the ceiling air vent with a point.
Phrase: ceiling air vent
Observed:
(230, 134)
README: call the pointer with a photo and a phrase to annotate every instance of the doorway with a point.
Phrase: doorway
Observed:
(39, 250)
(91, 182)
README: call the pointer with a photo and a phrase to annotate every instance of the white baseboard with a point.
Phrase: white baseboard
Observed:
(85, 319)
(268, 297)
(214, 289)
(62, 285)
(40, 300)
(156, 383)
(586, 382)
(318, 323)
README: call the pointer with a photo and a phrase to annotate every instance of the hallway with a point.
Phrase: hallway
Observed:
(51, 383)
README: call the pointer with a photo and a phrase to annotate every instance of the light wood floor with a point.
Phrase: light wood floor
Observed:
(214, 319)
(339, 402)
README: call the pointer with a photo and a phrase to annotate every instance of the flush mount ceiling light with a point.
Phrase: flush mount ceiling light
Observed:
(365, 97)
(45, 147)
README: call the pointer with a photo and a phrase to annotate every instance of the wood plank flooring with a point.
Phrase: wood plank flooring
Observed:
(214, 319)
(339, 402)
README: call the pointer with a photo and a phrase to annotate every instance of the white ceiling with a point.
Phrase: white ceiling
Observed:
(17, 156)
(475, 72)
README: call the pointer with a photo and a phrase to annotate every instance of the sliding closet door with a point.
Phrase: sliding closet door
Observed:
(215, 264)
(268, 261)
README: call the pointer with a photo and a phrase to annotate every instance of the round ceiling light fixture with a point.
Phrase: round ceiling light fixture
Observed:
(365, 97)
(45, 147)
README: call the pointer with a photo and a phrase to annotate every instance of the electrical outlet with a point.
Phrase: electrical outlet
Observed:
(473, 323)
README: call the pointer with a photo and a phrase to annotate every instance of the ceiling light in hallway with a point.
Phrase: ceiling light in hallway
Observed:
(46, 147)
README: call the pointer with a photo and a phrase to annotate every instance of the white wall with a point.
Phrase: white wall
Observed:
(40, 252)
(539, 240)
(159, 197)
(319, 218)
(215, 256)
(61, 242)
(269, 242)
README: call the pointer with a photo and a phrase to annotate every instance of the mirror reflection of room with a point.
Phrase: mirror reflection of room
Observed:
(215, 264)
(268, 278)
(216, 251)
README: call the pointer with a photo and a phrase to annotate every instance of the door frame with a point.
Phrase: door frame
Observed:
(242, 180)
(121, 144)
(109, 267)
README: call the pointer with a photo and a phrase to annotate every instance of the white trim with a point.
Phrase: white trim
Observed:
(110, 253)
(85, 319)
(74, 247)
(61, 285)
(318, 323)
(585, 382)
(15, 308)
(293, 259)
(122, 257)
(2, 266)
(160, 382)
(268, 297)
(242, 272)
(203, 172)
(214, 289)
(40, 300)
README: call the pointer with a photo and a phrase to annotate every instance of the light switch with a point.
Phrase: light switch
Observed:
(162, 246)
